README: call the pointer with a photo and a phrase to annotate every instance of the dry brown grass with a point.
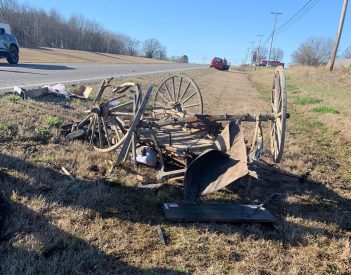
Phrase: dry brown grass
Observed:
(54, 55)
(103, 223)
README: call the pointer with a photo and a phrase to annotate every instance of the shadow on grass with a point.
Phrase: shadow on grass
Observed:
(62, 252)
(316, 202)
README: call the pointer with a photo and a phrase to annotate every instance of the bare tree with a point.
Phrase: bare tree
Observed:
(262, 54)
(132, 45)
(151, 47)
(347, 52)
(314, 51)
(184, 59)
(6, 9)
(277, 54)
(161, 53)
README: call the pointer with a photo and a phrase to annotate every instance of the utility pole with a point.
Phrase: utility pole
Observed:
(251, 61)
(331, 62)
(275, 21)
(258, 50)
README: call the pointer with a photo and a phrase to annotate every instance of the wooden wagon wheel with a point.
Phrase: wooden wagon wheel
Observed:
(179, 94)
(279, 109)
(104, 133)
(106, 126)
(119, 111)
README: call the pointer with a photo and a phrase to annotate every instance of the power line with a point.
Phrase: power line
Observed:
(294, 19)
(296, 14)
(300, 14)
(267, 40)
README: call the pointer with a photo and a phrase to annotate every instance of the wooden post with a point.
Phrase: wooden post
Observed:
(331, 62)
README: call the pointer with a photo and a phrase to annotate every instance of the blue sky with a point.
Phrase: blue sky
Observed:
(204, 29)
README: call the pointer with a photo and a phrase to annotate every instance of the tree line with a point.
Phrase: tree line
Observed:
(316, 51)
(37, 28)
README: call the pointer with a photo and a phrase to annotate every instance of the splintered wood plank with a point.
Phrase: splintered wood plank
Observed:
(217, 212)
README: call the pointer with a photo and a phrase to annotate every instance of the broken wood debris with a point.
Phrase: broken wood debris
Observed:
(161, 235)
(65, 171)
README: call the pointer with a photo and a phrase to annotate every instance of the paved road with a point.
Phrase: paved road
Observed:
(34, 75)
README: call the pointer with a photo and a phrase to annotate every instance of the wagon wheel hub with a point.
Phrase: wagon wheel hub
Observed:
(177, 106)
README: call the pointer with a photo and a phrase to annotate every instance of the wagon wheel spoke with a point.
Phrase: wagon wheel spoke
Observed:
(188, 98)
(192, 105)
(169, 103)
(89, 127)
(276, 148)
(80, 124)
(186, 89)
(279, 124)
(180, 88)
(99, 131)
(93, 129)
(174, 90)
(278, 134)
(118, 136)
(114, 108)
(169, 93)
(106, 132)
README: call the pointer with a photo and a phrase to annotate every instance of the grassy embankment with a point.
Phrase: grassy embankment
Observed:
(54, 55)
(103, 223)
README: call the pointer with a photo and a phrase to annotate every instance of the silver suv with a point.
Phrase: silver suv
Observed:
(9, 48)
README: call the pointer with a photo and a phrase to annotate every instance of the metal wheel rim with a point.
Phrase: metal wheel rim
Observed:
(279, 109)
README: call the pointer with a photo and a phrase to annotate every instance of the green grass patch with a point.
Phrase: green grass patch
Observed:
(53, 121)
(13, 98)
(300, 124)
(325, 110)
(307, 100)
(3, 126)
(42, 133)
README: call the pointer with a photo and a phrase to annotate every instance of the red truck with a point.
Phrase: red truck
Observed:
(220, 64)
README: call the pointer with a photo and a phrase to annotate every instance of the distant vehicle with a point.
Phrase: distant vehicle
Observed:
(272, 63)
(220, 64)
(9, 48)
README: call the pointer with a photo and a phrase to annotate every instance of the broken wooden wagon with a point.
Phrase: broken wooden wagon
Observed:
(168, 130)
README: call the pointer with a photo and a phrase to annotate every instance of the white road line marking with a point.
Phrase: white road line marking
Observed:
(96, 78)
